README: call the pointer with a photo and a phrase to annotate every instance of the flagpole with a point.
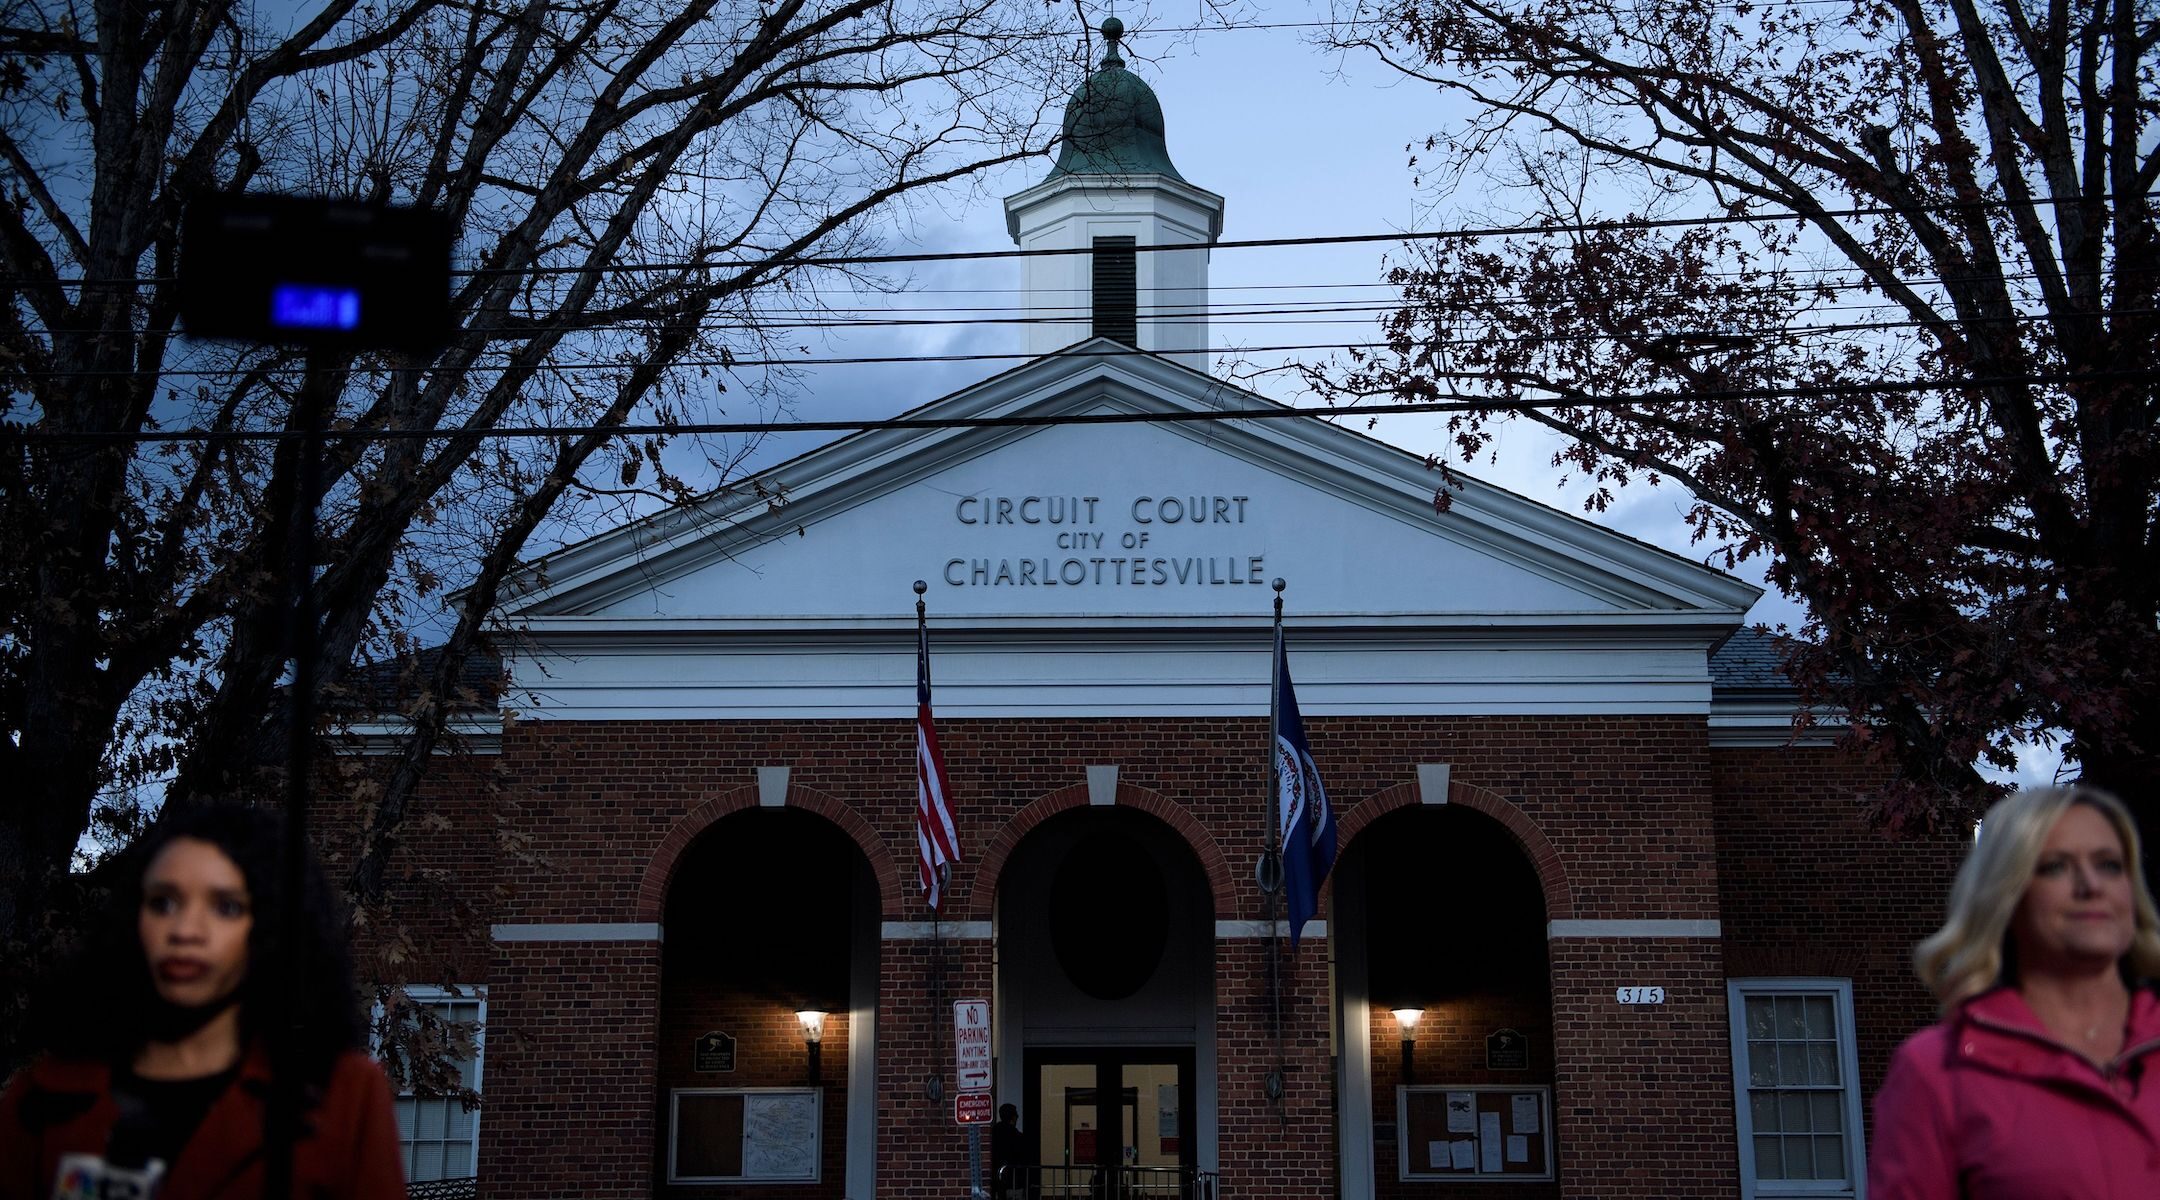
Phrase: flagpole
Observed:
(937, 931)
(1274, 781)
(1272, 865)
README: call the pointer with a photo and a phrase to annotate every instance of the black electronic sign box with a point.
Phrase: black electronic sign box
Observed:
(292, 270)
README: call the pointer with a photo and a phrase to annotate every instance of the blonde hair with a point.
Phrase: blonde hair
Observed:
(1969, 954)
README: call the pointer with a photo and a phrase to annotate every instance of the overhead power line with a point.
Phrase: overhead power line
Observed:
(1462, 404)
(734, 362)
(839, 315)
(1217, 316)
(1476, 233)
(1846, 277)
(1759, 341)
(84, 48)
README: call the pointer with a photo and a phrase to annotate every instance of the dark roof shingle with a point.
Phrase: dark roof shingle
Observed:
(1751, 659)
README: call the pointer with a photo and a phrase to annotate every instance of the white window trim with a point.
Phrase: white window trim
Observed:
(817, 1129)
(1840, 992)
(474, 993)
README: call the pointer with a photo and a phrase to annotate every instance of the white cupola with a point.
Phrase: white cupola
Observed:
(1115, 192)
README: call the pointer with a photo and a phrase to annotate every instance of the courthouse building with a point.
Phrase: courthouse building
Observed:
(1653, 948)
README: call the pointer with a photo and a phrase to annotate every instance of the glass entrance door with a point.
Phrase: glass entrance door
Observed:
(1115, 1124)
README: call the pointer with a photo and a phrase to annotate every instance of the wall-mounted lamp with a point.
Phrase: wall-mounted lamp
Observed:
(1408, 1019)
(813, 1033)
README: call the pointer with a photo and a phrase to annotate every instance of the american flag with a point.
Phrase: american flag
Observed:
(936, 843)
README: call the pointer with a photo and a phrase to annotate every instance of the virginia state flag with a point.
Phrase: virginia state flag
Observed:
(1308, 820)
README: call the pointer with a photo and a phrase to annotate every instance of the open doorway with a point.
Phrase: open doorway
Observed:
(1106, 964)
(768, 984)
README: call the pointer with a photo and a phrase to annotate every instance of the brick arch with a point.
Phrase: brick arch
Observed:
(660, 869)
(982, 892)
(1552, 876)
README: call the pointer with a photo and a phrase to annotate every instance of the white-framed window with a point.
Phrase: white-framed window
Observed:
(1796, 1088)
(439, 1137)
(735, 1135)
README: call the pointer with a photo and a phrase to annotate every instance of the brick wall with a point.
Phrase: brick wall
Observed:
(1622, 810)
(1643, 1093)
(441, 888)
(1280, 1148)
(573, 1035)
(920, 1152)
(1622, 799)
(1809, 889)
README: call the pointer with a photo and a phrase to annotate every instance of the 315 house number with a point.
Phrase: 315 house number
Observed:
(1640, 995)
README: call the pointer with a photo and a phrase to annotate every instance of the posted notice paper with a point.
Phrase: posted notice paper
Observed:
(1462, 1112)
(1526, 1113)
(1489, 1143)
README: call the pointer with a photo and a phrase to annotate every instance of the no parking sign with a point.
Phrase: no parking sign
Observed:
(971, 1045)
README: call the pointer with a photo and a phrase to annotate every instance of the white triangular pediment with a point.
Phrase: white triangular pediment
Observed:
(1139, 521)
(1076, 562)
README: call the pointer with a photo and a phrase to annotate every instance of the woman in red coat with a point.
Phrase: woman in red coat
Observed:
(2043, 1079)
(163, 1067)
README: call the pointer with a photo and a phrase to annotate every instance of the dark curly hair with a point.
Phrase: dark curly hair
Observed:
(104, 1012)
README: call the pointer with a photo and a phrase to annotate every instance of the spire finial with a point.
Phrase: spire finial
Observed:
(1112, 30)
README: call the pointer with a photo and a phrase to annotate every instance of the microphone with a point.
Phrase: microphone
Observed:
(128, 1171)
(88, 1177)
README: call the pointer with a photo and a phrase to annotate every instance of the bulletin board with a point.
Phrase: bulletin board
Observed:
(1474, 1131)
(726, 1135)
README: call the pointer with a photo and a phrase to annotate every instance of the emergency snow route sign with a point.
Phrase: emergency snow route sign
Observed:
(971, 1044)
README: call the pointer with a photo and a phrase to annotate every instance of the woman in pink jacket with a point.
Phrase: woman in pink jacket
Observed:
(2043, 1079)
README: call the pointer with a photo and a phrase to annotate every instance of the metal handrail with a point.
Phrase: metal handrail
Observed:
(1087, 1181)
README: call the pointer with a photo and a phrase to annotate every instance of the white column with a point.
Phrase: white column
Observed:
(1353, 1061)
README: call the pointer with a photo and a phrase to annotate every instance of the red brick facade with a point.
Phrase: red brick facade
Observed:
(571, 1070)
(1809, 890)
(1619, 819)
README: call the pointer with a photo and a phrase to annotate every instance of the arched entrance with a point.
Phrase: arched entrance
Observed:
(1439, 913)
(1106, 1000)
(768, 986)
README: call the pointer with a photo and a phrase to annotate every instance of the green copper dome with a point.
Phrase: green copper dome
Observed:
(1114, 124)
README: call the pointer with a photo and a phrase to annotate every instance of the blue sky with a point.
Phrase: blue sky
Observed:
(1301, 142)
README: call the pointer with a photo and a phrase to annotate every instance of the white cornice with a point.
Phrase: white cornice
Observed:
(1756, 719)
(1113, 193)
(1400, 630)
(480, 735)
(870, 675)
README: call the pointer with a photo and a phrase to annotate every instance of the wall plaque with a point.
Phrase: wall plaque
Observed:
(1507, 1050)
(713, 1051)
